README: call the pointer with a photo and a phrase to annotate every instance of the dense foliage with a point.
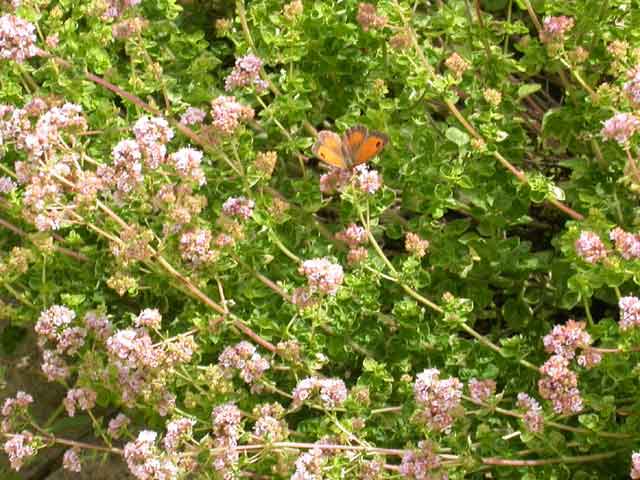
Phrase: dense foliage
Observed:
(219, 303)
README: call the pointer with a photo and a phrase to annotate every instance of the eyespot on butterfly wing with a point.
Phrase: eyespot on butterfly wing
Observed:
(329, 149)
(370, 147)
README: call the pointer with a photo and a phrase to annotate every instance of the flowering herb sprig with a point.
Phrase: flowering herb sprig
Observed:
(168, 238)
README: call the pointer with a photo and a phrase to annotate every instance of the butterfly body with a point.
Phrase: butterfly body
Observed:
(358, 145)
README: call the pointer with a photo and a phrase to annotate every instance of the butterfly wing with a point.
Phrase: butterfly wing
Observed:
(328, 148)
(352, 141)
(372, 145)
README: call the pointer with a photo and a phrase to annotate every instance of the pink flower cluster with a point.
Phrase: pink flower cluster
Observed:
(269, 426)
(149, 317)
(133, 245)
(227, 113)
(195, 247)
(18, 448)
(55, 325)
(21, 401)
(632, 87)
(133, 349)
(145, 461)
(332, 392)
(335, 180)
(369, 18)
(629, 312)
(7, 185)
(178, 431)
(555, 28)
(354, 235)
(481, 390)
(49, 129)
(226, 420)
(115, 8)
(303, 297)
(627, 244)
(246, 72)
(322, 275)
(240, 207)
(193, 116)
(533, 418)
(136, 358)
(635, 466)
(590, 247)
(187, 162)
(364, 179)
(53, 366)
(71, 461)
(82, 398)
(309, 465)
(367, 180)
(565, 339)
(117, 425)
(179, 349)
(560, 386)
(13, 408)
(126, 173)
(17, 39)
(621, 127)
(152, 135)
(142, 366)
(179, 204)
(129, 156)
(439, 399)
(128, 28)
(44, 199)
(244, 358)
(371, 470)
(416, 245)
(357, 255)
(421, 463)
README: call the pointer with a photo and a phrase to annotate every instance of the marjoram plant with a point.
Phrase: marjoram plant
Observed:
(216, 302)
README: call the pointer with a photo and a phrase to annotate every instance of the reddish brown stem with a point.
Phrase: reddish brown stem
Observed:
(65, 251)
(73, 443)
(533, 16)
(476, 3)
(632, 164)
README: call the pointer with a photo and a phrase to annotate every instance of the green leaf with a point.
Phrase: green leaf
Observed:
(457, 136)
(72, 300)
(528, 89)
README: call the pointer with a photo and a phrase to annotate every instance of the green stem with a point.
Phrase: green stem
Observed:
(33, 86)
(472, 131)
(481, 338)
(54, 416)
(532, 15)
(18, 296)
(579, 79)
(274, 237)
(618, 294)
(587, 310)
(242, 14)
(559, 426)
(8, 171)
(98, 428)
(488, 343)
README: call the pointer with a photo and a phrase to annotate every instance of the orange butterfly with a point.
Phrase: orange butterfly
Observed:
(357, 145)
